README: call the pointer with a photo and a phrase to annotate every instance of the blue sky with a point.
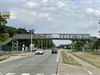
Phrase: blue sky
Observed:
(53, 16)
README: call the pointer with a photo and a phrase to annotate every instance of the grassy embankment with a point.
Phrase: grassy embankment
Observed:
(3, 56)
(89, 57)
(67, 59)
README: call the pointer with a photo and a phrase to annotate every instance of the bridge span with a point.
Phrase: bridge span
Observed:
(57, 36)
(47, 37)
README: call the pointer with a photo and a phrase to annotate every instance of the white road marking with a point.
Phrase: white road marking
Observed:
(1, 73)
(73, 66)
(58, 57)
(10, 74)
(40, 74)
(55, 74)
(25, 74)
(90, 72)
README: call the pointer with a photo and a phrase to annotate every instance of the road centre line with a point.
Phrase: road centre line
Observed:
(90, 72)
(58, 57)
(73, 66)
(10, 74)
(25, 74)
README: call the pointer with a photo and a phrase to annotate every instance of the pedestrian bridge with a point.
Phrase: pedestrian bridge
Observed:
(57, 36)
(44, 36)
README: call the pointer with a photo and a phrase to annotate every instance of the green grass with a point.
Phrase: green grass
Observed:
(67, 59)
(2, 53)
(3, 58)
(89, 57)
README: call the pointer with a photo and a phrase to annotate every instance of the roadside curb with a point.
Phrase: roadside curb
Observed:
(60, 57)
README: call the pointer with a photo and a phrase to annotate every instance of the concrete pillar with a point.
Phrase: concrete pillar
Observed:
(17, 45)
(12, 45)
(46, 43)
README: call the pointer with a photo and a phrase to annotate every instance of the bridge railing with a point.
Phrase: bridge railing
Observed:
(35, 36)
(50, 36)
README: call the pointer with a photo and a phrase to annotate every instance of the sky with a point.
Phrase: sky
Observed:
(53, 16)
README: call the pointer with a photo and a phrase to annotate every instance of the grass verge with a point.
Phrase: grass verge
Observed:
(3, 58)
(67, 59)
(88, 57)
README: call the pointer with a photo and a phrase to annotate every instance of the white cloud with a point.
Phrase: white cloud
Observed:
(12, 15)
(49, 8)
(33, 15)
(45, 15)
(93, 11)
(50, 19)
(15, 1)
(60, 4)
(63, 5)
(45, 1)
(31, 4)
(90, 10)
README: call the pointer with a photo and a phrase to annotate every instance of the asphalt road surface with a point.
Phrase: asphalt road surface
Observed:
(45, 64)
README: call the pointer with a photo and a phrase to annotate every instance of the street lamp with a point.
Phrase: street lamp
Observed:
(32, 32)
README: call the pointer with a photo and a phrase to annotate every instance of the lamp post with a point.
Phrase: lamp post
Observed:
(32, 32)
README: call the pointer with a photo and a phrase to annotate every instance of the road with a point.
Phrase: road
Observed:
(45, 64)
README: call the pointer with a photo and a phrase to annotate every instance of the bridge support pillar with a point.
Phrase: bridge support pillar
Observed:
(49, 43)
(41, 44)
(46, 43)
(15, 45)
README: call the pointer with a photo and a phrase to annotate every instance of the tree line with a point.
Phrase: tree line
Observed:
(93, 44)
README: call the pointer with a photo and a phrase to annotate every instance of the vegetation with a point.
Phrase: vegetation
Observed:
(3, 37)
(67, 59)
(93, 44)
(2, 24)
(89, 57)
(7, 31)
(68, 46)
(44, 44)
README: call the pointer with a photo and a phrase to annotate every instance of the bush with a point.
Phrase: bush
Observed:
(3, 37)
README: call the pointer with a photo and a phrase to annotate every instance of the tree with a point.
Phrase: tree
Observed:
(21, 31)
(10, 30)
(3, 22)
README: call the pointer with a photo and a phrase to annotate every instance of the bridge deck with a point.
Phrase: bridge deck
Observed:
(52, 36)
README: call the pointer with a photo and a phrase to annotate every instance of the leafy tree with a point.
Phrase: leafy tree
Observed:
(77, 45)
(3, 37)
(3, 22)
(10, 30)
(21, 31)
